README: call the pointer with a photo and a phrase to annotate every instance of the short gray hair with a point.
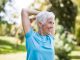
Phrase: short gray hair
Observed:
(43, 16)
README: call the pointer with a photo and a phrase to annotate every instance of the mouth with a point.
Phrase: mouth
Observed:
(51, 28)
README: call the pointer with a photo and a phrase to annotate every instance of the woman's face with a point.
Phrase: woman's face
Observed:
(49, 26)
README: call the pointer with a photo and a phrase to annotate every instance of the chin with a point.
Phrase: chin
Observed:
(48, 32)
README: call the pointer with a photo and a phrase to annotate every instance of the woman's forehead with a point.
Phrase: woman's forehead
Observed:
(50, 19)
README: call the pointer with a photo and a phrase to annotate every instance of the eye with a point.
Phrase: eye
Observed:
(51, 22)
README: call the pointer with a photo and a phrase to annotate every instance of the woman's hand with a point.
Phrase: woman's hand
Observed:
(32, 19)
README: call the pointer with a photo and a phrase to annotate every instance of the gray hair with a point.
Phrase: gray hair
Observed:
(43, 16)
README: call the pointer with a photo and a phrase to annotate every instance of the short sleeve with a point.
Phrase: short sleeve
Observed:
(29, 33)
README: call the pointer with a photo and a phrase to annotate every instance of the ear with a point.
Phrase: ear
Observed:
(39, 24)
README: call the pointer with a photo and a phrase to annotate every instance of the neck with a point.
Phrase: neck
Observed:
(41, 32)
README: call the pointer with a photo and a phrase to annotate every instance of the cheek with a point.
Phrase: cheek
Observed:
(45, 28)
(49, 26)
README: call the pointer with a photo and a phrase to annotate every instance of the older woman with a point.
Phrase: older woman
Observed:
(39, 44)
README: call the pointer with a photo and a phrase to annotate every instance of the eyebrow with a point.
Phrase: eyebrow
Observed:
(51, 22)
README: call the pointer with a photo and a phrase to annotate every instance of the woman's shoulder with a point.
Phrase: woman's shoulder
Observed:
(30, 33)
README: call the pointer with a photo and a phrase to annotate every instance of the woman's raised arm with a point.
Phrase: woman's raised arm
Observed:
(25, 18)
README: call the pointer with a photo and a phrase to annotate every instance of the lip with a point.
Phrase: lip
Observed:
(50, 28)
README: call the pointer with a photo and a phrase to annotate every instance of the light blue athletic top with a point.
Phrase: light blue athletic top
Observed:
(39, 47)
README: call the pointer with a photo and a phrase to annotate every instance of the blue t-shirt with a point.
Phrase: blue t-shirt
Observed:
(39, 47)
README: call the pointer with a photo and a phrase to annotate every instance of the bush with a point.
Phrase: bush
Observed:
(64, 43)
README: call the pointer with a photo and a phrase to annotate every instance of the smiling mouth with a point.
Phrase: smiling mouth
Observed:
(50, 27)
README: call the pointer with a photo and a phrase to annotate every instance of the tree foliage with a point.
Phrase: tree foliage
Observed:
(66, 11)
(2, 4)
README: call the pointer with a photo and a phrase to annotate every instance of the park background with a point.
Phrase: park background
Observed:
(67, 37)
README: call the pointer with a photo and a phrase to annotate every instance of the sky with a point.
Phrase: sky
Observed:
(22, 3)
(13, 8)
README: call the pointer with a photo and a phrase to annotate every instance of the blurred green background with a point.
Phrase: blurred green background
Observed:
(67, 37)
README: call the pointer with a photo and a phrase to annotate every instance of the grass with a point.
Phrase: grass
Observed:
(75, 54)
(8, 47)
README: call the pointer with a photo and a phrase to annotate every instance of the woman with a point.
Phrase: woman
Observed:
(39, 44)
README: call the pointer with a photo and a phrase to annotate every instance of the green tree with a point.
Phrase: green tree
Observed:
(66, 11)
(4, 24)
(2, 4)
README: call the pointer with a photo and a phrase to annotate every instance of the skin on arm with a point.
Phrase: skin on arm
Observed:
(25, 13)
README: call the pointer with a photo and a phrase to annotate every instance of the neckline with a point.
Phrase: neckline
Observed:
(41, 35)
